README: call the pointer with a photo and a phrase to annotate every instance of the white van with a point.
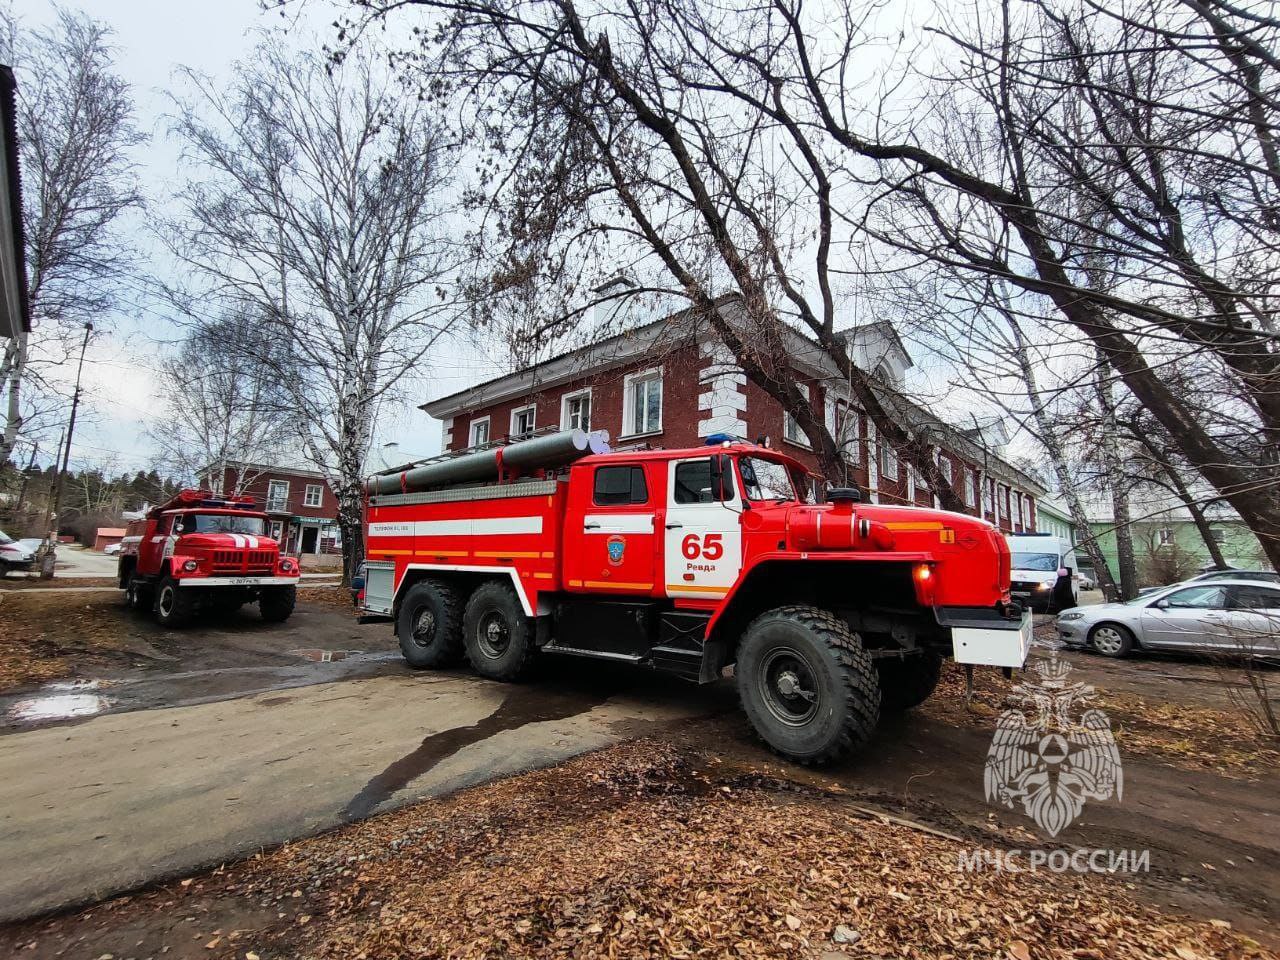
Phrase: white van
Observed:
(1045, 576)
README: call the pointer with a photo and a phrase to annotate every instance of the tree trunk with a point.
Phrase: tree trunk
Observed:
(1066, 482)
(1118, 482)
(15, 362)
(351, 523)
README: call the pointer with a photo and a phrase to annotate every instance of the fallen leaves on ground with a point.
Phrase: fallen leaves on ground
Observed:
(1177, 733)
(49, 636)
(328, 595)
(634, 852)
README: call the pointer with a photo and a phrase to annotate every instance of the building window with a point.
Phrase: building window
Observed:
(314, 496)
(642, 400)
(575, 411)
(1017, 508)
(791, 431)
(1166, 536)
(848, 432)
(278, 495)
(970, 489)
(944, 465)
(619, 486)
(522, 422)
(1218, 535)
(888, 462)
(479, 432)
(988, 504)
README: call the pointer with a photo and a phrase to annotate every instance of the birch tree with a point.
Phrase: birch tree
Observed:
(225, 403)
(316, 207)
(75, 135)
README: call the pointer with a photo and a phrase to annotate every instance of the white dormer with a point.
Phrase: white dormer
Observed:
(875, 347)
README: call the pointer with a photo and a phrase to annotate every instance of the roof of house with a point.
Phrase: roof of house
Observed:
(15, 308)
(263, 468)
(110, 532)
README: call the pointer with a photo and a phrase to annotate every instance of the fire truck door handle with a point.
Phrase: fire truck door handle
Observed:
(674, 526)
(591, 526)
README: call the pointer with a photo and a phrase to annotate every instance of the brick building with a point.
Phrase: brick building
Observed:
(672, 383)
(302, 508)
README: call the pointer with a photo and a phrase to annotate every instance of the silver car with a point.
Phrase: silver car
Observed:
(1226, 616)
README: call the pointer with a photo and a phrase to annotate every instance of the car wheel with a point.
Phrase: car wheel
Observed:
(1111, 640)
(499, 637)
(173, 605)
(429, 625)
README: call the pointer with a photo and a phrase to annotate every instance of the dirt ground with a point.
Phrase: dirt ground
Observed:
(697, 841)
(643, 850)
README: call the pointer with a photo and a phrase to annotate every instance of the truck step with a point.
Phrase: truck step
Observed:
(600, 654)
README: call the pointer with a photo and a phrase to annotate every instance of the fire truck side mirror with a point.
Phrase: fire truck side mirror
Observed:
(721, 487)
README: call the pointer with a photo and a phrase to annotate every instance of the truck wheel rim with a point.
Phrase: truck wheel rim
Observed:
(494, 636)
(166, 601)
(424, 628)
(1107, 640)
(787, 686)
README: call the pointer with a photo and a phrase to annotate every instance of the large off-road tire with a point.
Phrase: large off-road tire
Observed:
(173, 605)
(1111, 640)
(276, 603)
(429, 625)
(499, 637)
(806, 684)
(909, 681)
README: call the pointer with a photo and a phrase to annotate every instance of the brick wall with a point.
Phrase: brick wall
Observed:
(259, 485)
(702, 393)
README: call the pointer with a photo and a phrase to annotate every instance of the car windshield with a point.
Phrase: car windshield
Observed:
(1035, 561)
(221, 523)
(765, 479)
(5, 538)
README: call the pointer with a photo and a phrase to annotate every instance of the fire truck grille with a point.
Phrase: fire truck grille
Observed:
(240, 562)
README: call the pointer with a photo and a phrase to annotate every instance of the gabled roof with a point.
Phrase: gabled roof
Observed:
(15, 309)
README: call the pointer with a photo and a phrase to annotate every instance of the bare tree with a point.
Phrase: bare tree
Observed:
(75, 132)
(636, 130)
(225, 403)
(316, 208)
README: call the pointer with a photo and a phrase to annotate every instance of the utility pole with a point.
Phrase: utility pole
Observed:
(46, 566)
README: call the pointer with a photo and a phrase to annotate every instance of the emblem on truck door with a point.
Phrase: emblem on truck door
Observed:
(616, 546)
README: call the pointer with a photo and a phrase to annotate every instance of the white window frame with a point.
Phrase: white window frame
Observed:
(285, 499)
(791, 426)
(471, 432)
(532, 410)
(946, 468)
(888, 455)
(569, 398)
(970, 488)
(849, 440)
(1166, 536)
(306, 495)
(629, 427)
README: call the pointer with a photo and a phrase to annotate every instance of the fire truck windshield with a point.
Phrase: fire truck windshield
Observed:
(220, 523)
(765, 480)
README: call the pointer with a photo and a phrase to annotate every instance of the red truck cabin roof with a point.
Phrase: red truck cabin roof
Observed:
(741, 449)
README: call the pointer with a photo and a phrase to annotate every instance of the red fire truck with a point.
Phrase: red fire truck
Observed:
(690, 561)
(200, 553)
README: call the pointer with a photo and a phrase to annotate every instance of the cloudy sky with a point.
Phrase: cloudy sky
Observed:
(153, 38)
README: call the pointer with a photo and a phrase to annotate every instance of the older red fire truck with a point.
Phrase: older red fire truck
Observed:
(200, 553)
(690, 561)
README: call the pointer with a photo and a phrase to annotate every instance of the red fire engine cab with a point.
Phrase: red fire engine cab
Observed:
(690, 561)
(201, 553)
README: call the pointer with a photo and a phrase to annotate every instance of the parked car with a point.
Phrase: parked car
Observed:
(1225, 616)
(1086, 582)
(1044, 577)
(13, 555)
(1267, 576)
(111, 549)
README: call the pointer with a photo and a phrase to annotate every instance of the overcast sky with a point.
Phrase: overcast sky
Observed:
(153, 38)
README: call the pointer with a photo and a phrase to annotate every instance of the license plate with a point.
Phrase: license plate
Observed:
(242, 581)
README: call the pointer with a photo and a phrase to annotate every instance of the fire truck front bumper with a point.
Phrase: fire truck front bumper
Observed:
(988, 639)
(238, 582)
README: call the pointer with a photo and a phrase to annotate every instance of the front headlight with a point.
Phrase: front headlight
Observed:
(1042, 586)
(286, 566)
(1071, 615)
(190, 566)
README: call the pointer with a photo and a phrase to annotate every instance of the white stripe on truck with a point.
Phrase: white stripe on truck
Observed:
(476, 527)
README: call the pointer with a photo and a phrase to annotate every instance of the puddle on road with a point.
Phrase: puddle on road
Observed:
(324, 656)
(60, 701)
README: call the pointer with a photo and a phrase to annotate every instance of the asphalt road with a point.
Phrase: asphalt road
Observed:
(122, 799)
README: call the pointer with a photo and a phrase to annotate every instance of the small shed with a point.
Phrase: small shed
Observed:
(107, 536)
